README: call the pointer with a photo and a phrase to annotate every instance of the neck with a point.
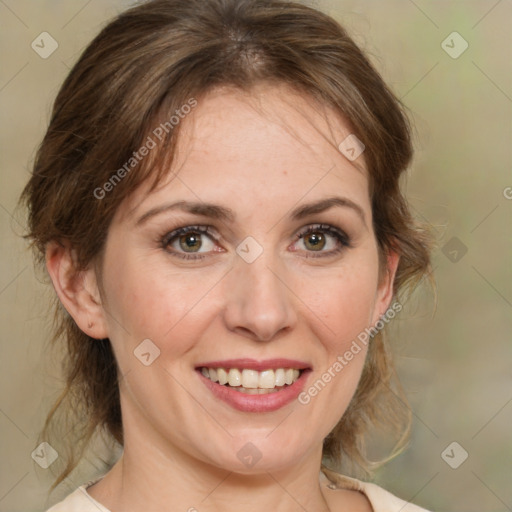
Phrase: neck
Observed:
(162, 475)
(149, 478)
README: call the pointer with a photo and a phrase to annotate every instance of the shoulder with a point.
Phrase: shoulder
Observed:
(78, 501)
(379, 499)
(384, 501)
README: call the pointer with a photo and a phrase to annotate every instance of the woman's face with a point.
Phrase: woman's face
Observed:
(256, 254)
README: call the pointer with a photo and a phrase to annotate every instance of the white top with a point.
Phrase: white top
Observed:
(380, 499)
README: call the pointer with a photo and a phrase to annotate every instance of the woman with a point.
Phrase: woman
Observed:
(217, 204)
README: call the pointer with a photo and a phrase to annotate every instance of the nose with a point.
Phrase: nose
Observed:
(259, 303)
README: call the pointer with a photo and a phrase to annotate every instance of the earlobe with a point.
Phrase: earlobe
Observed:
(78, 291)
(385, 290)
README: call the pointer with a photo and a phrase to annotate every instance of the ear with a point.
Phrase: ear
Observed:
(78, 291)
(385, 288)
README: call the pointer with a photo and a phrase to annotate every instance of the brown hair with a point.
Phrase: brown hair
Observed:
(147, 63)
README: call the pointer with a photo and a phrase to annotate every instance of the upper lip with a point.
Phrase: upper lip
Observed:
(253, 364)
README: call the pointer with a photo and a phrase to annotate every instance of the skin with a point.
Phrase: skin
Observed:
(261, 155)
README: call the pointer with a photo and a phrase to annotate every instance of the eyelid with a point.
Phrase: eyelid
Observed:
(199, 228)
(165, 241)
(344, 241)
(327, 228)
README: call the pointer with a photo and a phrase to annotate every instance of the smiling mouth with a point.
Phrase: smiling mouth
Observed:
(253, 382)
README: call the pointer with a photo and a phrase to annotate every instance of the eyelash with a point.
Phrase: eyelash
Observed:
(342, 238)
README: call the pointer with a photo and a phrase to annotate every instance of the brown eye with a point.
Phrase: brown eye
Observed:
(315, 241)
(322, 240)
(190, 242)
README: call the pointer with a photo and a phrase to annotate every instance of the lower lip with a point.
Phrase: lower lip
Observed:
(256, 403)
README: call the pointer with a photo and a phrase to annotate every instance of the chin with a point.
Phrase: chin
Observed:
(251, 455)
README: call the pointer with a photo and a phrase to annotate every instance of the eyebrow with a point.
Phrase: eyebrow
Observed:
(224, 214)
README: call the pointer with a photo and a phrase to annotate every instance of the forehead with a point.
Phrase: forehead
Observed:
(271, 139)
(267, 120)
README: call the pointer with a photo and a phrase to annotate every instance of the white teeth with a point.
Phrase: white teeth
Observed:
(280, 380)
(267, 379)
(252, 381)
(234, 377)
(222, 375)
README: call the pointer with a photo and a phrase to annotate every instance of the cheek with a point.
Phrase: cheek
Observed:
(338, 313)
(343, 303)
(145, 300)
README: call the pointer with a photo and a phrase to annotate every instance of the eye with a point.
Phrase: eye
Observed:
(323, 239)
(189, 242)
(194, 242)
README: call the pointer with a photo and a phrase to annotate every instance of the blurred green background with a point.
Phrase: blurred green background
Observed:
(455, 362)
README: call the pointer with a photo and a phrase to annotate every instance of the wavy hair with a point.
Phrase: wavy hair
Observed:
(147, 63)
